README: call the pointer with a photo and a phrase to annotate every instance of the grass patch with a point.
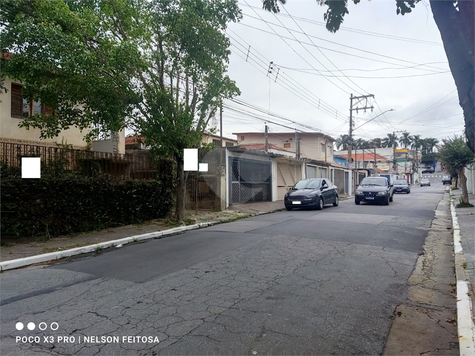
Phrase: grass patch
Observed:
(171, 222)
(462, 204)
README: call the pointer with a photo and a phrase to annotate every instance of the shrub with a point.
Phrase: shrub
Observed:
(72, 204)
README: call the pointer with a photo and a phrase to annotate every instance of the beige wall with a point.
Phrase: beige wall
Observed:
(208, 138)
(310, 144)
(10, 132)
(107, 145)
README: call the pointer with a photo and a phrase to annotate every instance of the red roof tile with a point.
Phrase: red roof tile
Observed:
(368, 156)
(132, 140)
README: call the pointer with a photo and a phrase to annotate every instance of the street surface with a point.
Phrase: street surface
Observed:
(298, 282)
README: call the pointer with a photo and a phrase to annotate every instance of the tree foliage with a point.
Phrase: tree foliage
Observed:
(456, 155)
(158, 66)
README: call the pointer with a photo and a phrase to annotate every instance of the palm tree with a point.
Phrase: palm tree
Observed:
(342, 142)
(389, 141)
(360, 143)
(376, 143)
(431, 143)
(405, 139)
(416, 145)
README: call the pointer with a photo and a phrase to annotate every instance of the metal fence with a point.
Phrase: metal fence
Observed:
(203, 189)
(56, 161)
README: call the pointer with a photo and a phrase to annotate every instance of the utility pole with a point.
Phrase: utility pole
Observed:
(374, 158)
(266, 136)
(297, 145)
(359, 100)
(221, 123)
(395, 167)
(325, 149)
(394, 152)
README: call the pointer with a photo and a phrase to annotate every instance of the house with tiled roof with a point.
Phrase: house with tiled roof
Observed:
(367, 160)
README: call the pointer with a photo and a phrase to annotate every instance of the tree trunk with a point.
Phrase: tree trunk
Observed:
(463, 185)
(180, 189)
(457, 31)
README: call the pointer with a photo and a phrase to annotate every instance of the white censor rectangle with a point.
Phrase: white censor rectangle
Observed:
(190, 159)
(31, 167)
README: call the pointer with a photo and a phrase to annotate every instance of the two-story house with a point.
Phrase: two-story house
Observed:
(312, 152)
(14, 108)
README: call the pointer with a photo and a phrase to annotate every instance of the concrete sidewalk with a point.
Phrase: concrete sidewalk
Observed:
(463, 222)
(28, 251)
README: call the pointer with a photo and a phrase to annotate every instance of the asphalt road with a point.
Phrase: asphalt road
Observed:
(299, 282)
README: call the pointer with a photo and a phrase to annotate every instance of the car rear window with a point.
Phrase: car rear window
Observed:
(374, 181)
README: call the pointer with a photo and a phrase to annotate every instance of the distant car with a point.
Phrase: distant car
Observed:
(374, 189)
(429, 170)
(312, 193)
(401, 186)
(424, 182)
(446, 180)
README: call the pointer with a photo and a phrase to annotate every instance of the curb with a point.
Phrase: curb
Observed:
(22, 262)
(52, 256)
(465, 324)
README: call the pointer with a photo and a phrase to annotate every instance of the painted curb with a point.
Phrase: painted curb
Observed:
(22, 262)
(27, 261)
(465, 324)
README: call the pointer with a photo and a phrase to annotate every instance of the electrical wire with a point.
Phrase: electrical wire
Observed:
(363, 90)
(364, 32)
(289, 82)
(350, 54)
(293, 49)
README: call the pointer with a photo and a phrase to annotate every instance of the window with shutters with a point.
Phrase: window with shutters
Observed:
(23, 108)
(17, 102)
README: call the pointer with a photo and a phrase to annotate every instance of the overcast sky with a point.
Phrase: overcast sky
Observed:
(399, 59)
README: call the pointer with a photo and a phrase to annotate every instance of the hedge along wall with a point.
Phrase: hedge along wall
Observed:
(55, 206)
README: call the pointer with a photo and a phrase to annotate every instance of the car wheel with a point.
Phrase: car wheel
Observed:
(391, 198)
(408, 191)
(337, 201)
(320, 204)
(288, 208)
(357, 202)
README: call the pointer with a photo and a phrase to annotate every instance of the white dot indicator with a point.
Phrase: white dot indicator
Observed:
(31, 326)
(42, 326)
(54, 326)
(19, 326)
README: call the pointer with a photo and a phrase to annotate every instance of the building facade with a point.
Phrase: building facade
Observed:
(14, 108)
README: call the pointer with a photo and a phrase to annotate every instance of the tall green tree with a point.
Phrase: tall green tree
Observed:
(405, 139)
(342, 142)
(429, 144)
(416, 145)
(376, 143)
(455, 154)
(390, 140)
(158, 66)
(455, 20)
